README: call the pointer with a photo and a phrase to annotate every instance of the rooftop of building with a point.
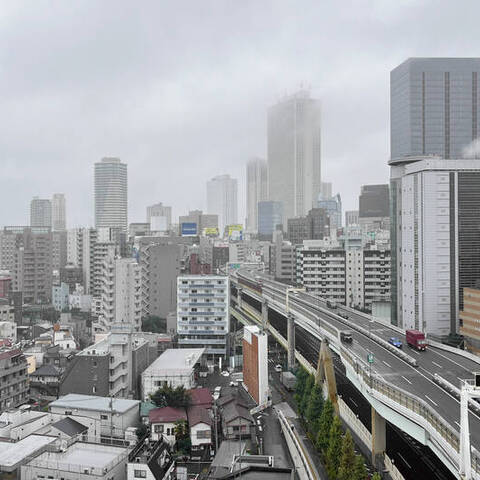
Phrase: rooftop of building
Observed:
(198, 414)
(167, 415)
(200, 396)
(176, 359)
(90, 458)
(70, 427)
(14, 454)
(92, 402)
(46, 371)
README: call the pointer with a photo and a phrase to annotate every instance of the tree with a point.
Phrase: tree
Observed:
(300, 385)
(141, 431)
(359, 470)
(182, 436)
(152, 323)
(324, 425)
(347, 460)
(314, 409)
(171, 397)
(334, 449)
(376, 476)
(302, 407)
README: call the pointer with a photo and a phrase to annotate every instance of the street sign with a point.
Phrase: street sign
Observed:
(370, 357)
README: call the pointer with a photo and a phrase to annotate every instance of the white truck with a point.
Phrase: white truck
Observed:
(288, 380)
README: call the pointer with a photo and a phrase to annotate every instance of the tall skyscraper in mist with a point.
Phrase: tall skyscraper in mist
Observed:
(434, 191)
(59, 219)
(111, 193)
(40, 212)
(294, 141)
(257, 190)
(222, 200)
(159, 217)
(434, 107)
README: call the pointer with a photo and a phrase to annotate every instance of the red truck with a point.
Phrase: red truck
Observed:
(416, 339)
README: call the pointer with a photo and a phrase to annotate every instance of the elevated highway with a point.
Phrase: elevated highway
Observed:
(402, 388)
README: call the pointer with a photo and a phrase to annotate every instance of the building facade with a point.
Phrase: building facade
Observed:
(333, 207)
(159, 217)
(40, 212)
(13, 378)
(111, 191)
(203, 313)
(222, 200)
(255, 363)
(294, 156)
(374, 207)
(257, 191)
(59, 215)
(314, 226)
(270, 215)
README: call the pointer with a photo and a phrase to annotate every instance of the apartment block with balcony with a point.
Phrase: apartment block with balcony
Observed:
(376, 277)
(203, 313)
(13, 378)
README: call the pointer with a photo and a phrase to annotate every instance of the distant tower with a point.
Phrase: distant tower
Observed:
(111, 194)
(257, 190)
(40, 212)
(222, 200)
(59, 219)
(294, 176)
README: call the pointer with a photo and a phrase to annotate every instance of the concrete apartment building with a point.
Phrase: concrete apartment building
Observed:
(175, 368)
(111, 194)
(111, 366)
(26, 252)
(13, 378)
(255, 363)
(160, 265)
(294, 156)
(314, 226)
(434, 188)
(257, 191)
(121, 295)
(159, 217)
(40, 212)
(59, 215)
(470, 319)
(282, 260)
(203, 303)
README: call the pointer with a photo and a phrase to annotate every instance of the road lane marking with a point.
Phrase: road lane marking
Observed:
(405, 378)
(457, 423)
(353, 401)
(449, 359)
(435, 363)
(387, 364)
(428, 398)
(404, 461)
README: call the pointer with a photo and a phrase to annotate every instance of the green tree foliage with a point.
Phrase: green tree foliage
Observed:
(324, 424)
(359, 470)
(152, 323)
(141, 431)
(314, 409)
(300, 385)
(376, 476)
(302, 407)
(334, 450)
(182, 436)
(171, 397)
(347, 459)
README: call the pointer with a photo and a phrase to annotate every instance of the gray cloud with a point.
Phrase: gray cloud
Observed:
(179, 90)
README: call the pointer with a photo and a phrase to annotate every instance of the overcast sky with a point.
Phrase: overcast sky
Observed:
(179, 90)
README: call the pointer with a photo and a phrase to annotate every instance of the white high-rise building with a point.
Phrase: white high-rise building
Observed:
(59, 219)
(203, 313)
(40, 212)
(159, 217)
(257, 190)
(111, 194)
(120, 292)
(222, 200)
(294, 167)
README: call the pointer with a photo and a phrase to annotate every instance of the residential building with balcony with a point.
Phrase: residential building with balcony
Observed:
(203, 313)
(13, 378)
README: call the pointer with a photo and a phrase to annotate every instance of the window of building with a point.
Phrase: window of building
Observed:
(140, 474)
(103, 417)
(158, 429)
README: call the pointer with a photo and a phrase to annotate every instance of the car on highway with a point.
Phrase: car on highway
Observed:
(225, 373)
(343, 315)
(396, 342)
(346, 336)
(278, 368)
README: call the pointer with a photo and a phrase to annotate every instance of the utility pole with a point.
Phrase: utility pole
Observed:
(111, 419)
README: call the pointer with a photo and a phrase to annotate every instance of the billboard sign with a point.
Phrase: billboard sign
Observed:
(235, 232)
(210, 232)
(188, 228)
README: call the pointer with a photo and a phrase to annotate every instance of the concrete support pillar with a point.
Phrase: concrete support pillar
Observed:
(264, 314)
(329, 371)
(378, 436)
(291, 341)
(239, 297)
